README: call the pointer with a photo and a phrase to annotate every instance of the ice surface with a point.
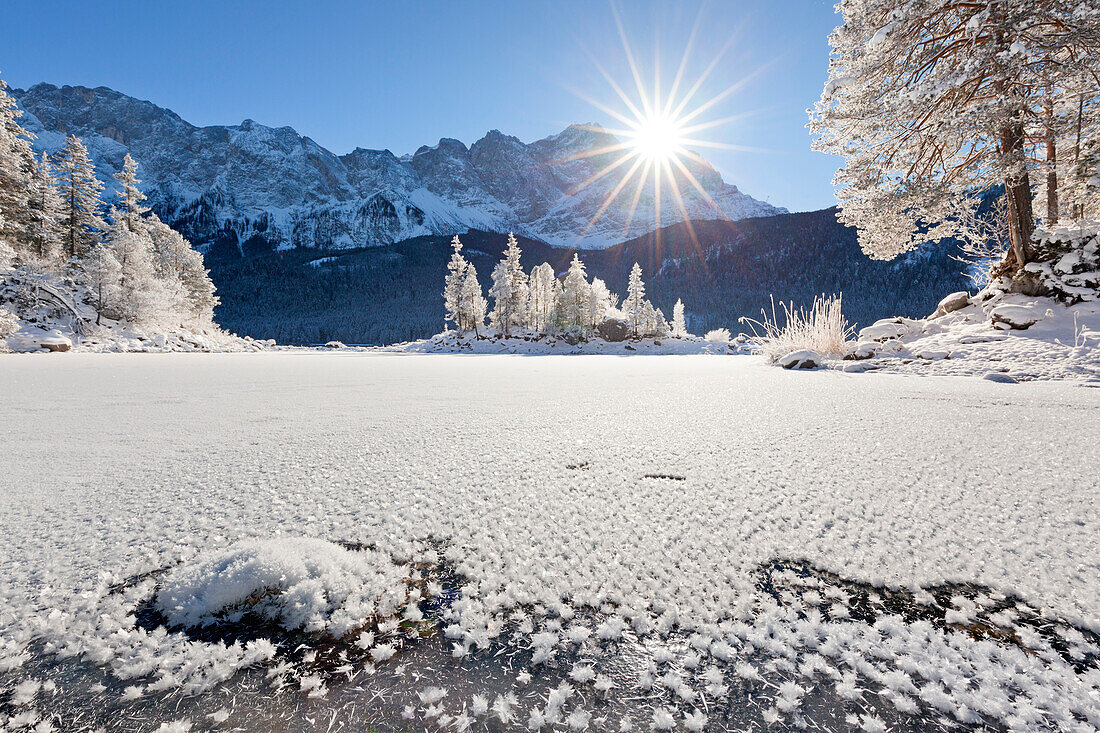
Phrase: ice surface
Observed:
(634, 496)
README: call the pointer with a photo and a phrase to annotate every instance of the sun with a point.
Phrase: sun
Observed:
(657, 138)
(660, 128)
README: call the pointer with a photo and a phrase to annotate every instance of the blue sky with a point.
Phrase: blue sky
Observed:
(399, 75)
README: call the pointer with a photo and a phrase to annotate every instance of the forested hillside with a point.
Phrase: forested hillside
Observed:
(385, 295)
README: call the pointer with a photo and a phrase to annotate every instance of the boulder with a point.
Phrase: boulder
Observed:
(55, 343)
(887, 328)
(863, 350)
(999, 377)
(952, 303)
(335, 345)
(1018, 317)
(613, 329)
(801, 359)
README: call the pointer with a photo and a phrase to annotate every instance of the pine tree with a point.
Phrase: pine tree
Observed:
(16, 169)
(931, 101)
(601, 301)
(661, 329)
(181, 267)
(679, 326)
(130, 206)
(101, 274)
(541, 299)
(453, 285)
(634, 304)
(80, 189)
(509, 290)
(573, 304)
(472, 314)
(143, 297)
(46, 212)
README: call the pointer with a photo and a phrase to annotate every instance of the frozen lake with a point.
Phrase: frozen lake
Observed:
(661, 491)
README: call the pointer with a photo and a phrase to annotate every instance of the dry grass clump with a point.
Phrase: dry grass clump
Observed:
(823, 329)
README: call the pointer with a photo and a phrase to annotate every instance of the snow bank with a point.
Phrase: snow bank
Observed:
(992, 331)
(451, 342)
(51, 313)
(299, 583)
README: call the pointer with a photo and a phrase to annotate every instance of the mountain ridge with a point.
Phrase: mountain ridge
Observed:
(274, 188)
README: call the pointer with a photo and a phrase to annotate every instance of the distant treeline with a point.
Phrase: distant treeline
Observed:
(721, 270)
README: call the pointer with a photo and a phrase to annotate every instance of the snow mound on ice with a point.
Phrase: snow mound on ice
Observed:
(801, 359)
(298, 583)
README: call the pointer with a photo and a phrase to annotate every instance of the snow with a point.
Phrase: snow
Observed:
(547, 483)
(450, 342)
(298, 582)
(65, 321)
(1025, 337)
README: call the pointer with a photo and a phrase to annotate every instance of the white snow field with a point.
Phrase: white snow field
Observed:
(351, 541)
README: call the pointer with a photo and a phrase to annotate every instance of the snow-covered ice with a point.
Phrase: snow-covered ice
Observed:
(706, 513)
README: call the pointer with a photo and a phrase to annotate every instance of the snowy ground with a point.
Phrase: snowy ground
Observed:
(1061, 342)
(450, 342)
(729, 545)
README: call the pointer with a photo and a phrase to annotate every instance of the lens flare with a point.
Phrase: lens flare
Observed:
(657, 134)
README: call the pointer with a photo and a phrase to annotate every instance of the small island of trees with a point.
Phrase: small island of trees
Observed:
(539, 303)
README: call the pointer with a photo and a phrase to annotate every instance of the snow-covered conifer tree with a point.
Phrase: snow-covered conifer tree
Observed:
(143, 297)
(471, 317)
(633, 306)
(101, 275)
(130, 206)
(661, 329)
(931, 101)
(454, 283)
(46, 211)
(679, 326)
(181, 267)
(16, 169)
(509, 290)
(80, 189)
(600, 302)
(541, 297)
(1080, 182)
(572, 306)
(647, 319)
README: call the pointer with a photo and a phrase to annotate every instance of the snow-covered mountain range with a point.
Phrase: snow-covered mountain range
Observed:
(277, 187)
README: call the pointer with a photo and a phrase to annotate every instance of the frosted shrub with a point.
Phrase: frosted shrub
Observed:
(718, 336)
(823, 329)
(7, 255)
(8, 324)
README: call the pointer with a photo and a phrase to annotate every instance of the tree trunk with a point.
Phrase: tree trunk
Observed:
(1021, 218)
(1052, 168)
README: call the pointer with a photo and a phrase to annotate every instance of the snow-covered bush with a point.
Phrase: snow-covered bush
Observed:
(8, 324)
(7, 255)
(301, 583)
(822, 329)
(718, 336)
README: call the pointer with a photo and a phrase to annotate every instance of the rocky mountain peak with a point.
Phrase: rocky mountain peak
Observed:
(272, 182)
